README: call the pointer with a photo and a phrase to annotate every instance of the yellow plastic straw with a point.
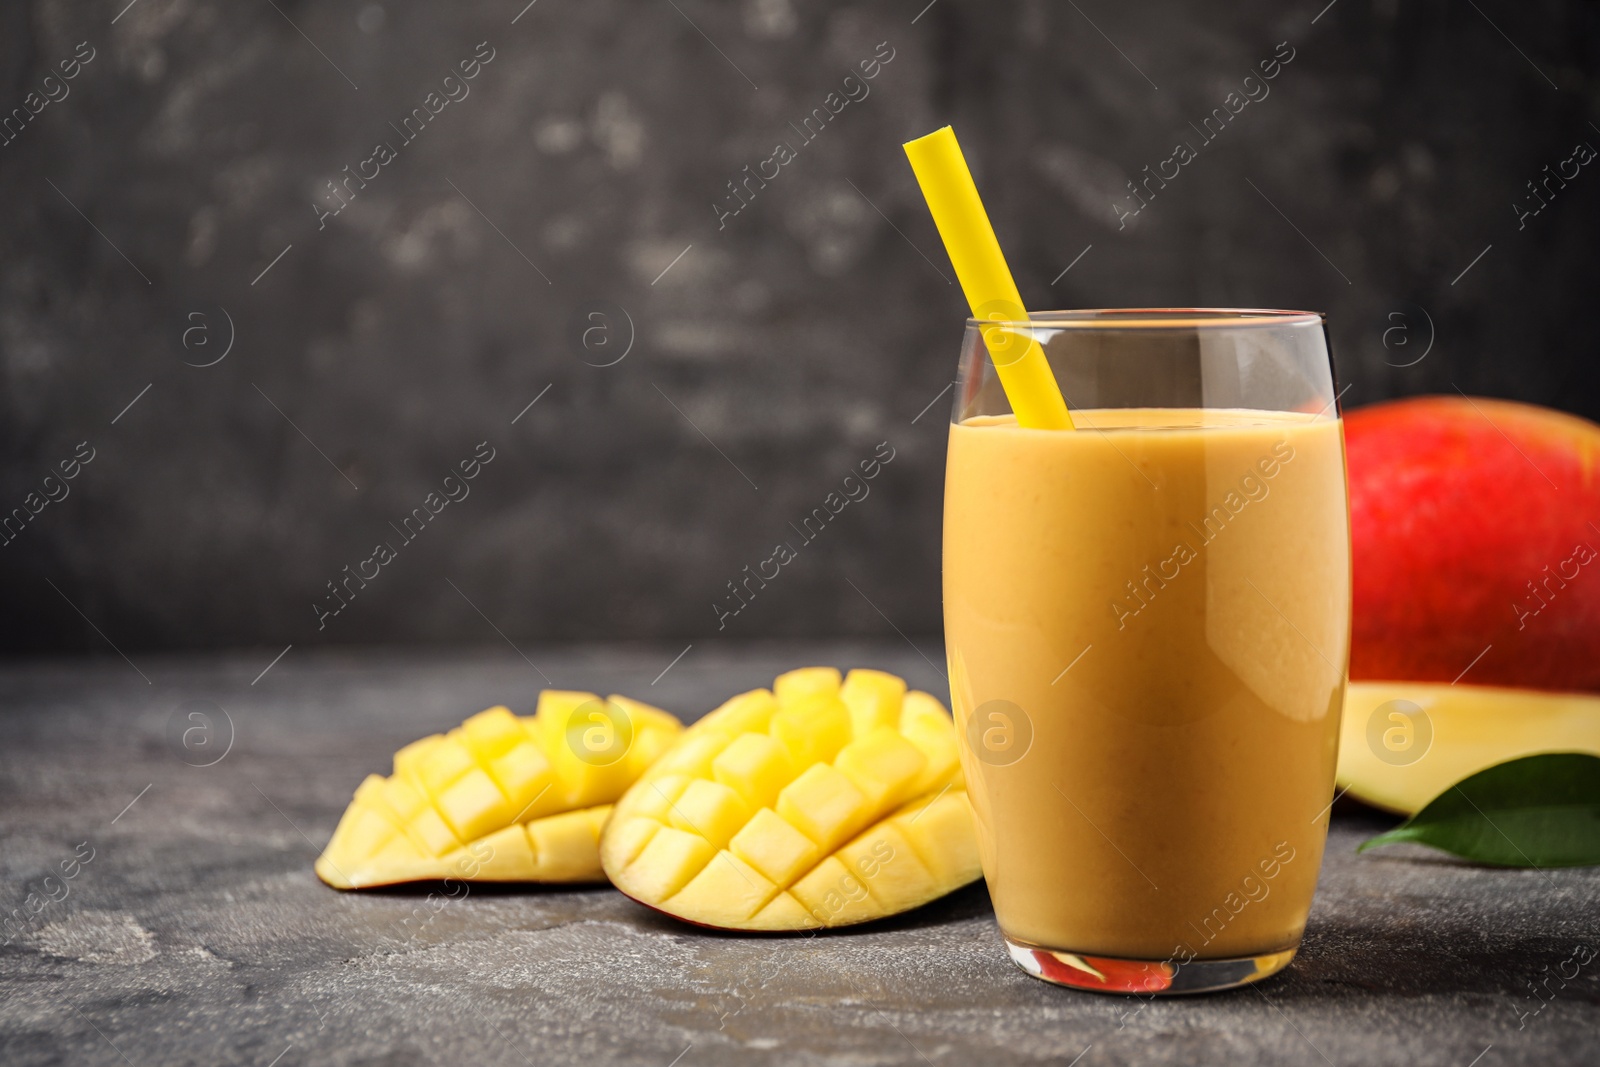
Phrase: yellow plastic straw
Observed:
(958, 212)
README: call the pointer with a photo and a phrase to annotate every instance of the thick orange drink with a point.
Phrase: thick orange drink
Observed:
(1147, 623)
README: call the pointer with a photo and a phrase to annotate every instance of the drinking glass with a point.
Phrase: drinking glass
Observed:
(1148, 623)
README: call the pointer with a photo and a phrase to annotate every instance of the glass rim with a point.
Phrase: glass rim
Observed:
(1167, 318)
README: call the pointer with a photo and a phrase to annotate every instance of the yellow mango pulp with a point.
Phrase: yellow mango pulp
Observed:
(501, 798)
(1403, 743)
(820, 803)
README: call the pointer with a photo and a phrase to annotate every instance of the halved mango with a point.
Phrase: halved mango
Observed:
(501, 798)
(1403, 743)
(819, 803)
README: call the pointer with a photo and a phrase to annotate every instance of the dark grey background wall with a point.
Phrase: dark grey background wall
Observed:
(167, 204)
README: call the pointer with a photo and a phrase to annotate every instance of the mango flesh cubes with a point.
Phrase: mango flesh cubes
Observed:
(501, 798)
(816, 804)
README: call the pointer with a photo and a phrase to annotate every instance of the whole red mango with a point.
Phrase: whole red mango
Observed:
(1475, 526)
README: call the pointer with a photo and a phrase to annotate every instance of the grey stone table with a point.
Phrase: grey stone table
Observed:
(195, 932)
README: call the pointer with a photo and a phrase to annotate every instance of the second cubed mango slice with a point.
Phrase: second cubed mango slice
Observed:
(501, 798)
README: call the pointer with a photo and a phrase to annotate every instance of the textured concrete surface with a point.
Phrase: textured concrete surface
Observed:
(197, 934)
(143, 207)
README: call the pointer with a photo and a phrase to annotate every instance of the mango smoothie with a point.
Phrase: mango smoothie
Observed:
(1148, 623)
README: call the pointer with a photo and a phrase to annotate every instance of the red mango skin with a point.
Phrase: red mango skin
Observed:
(1456, 506)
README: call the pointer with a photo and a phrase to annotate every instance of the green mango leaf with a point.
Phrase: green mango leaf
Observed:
(1537, 811)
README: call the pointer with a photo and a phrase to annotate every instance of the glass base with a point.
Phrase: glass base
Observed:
(1107, 974)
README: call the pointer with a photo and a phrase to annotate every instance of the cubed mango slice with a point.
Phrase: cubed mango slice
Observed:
(824, 802)
(506, 798)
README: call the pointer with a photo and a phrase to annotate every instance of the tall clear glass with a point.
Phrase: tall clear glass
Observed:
(1148, 622)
